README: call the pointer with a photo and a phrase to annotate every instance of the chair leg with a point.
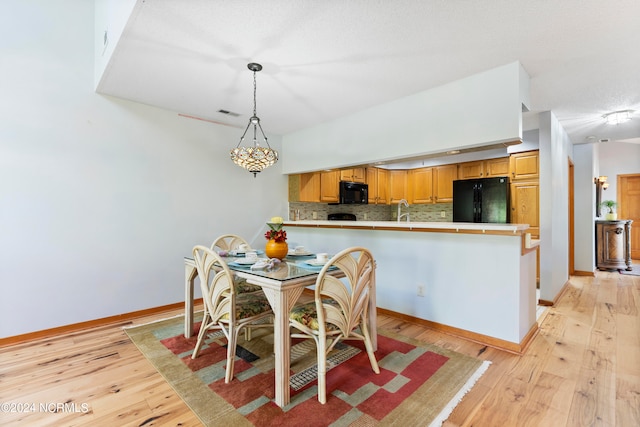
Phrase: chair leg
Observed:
(232, 339)
(201, 335)
(322, 370)
(369, 347)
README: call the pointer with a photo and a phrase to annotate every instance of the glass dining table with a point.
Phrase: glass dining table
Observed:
(283, 284)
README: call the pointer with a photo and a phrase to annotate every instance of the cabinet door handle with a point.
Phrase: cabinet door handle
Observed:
(618, 230)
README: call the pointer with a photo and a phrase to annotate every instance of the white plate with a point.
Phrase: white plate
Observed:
(246, 261)
(316, 263)
(294, 253)
(241, 253)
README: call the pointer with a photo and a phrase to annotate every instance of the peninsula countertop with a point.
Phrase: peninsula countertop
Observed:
(473, 279)
(436, 226)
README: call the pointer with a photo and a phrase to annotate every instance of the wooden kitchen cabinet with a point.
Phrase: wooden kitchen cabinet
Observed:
(378, 182)
(484, 168)
(471, 170)
(310, 187)
(525, 195)
(432, 184)
(304, 187)
(353, 175)
(496, 167)
(421, 185)
(329, 186)
(613, 251)
(524, 165)
(397, 185)
(525, 205)
(443, 177)
(525, 209)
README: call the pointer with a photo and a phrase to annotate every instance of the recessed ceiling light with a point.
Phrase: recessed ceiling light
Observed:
(617, 117)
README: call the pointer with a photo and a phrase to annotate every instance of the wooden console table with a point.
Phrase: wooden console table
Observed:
(613, 248)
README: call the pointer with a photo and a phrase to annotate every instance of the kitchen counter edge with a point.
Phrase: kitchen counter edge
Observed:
(441, 227)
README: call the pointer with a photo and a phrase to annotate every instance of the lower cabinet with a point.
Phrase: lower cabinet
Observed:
(613, 249)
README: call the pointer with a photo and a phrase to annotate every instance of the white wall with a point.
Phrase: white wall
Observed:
(585, 157)
(102, 198)
(617, 158)
(475, 111)
(555, 152)
(476, 282)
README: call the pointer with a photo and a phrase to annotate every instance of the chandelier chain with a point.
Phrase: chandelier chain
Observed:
(254, 93)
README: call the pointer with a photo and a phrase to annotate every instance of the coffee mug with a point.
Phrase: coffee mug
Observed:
(322, 257)
(244, 247)
(251, 255)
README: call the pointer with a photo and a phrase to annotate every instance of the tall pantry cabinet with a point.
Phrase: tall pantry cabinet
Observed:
(525, 194)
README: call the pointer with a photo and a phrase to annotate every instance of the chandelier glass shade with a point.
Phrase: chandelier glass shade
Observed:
(254, 158)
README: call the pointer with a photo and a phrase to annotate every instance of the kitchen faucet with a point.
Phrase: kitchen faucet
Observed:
(400, 203)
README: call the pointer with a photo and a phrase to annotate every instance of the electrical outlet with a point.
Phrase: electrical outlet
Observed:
(315, 215)
(420, 290)
(365, 216)
(443, 214)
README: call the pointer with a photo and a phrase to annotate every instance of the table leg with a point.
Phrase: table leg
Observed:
(190, 274)
(282, 301)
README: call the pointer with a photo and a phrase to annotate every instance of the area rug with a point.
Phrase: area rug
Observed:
(419, 383)
(635, 270)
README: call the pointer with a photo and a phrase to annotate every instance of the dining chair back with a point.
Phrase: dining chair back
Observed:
(225, 309)
(339, 310)
(229, 242)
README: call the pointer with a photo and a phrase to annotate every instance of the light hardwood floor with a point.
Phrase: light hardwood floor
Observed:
(583, 368)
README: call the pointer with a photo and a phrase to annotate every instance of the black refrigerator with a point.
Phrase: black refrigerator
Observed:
(481, 200)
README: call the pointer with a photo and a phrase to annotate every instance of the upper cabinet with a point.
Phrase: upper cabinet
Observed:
(397, 185)
(432, 185)
(329, 186)
(484, 168)
(310, 187)
(315, 187)
(304, 187)
(524, 165)
(443, 178)
(353, 175)
(421, 185)
(378, 182)
(496, 167)
(418, 186)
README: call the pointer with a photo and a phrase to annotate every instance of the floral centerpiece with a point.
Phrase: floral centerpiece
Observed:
(276, 239)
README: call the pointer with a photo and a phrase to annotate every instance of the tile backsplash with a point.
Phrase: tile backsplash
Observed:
(419, 213)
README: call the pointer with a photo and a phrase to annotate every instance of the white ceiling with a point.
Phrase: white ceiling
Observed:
(326, 59)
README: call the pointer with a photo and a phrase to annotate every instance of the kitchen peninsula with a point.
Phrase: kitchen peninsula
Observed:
(470, 279)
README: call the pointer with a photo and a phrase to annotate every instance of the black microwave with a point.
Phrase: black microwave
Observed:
(354, 193)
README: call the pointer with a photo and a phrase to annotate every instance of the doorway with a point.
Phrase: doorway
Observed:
(629, 207)
(570, 180)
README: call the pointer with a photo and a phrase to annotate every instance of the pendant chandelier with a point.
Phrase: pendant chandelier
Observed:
(254, 158)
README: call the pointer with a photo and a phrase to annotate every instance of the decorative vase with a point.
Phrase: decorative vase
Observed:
(275, 249)
(611, 216)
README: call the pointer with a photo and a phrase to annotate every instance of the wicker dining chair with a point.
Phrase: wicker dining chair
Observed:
(229, 242)
(226, 310)
(339, 311)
